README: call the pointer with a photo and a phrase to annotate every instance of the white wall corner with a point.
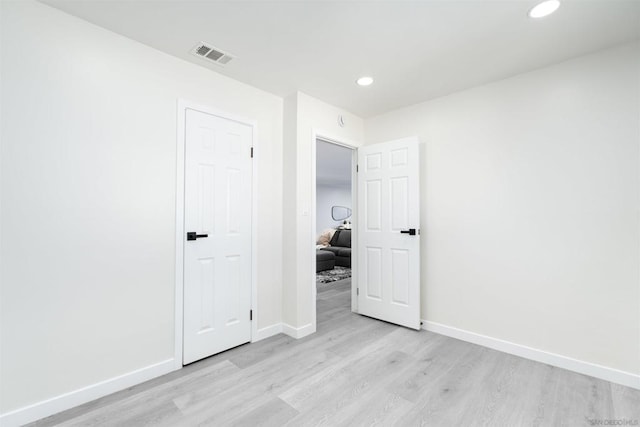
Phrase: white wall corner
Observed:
(83, 395)
(300, 332)
(267, 332)
(587, 368)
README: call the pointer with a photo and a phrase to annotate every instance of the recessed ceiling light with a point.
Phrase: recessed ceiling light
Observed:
(364, 81)
(545, 8)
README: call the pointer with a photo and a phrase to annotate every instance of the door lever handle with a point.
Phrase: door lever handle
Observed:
(191, 235)
(410, 232)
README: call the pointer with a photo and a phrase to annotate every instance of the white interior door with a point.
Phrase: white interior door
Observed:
(217, 244)
(388, 224)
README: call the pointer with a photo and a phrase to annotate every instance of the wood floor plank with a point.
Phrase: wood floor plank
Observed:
(626, 402)
(431, 367)
(569, 398)
(494, 386)
(445, 398)
(143, 404)
(510, 396)
(334, 400)
(275, 412)
(249, 388)
(266, 349)
(334, 376)
(376, 409)
(363, 363)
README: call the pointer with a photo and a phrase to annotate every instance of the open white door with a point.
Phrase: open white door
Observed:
(217, 241)
(388, 247)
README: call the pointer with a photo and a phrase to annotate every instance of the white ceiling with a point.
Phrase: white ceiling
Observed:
(415, 50)
(333, 164)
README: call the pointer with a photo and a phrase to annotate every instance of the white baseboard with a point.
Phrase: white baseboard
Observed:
(300, 332)
(283, 328)
(69, 400)
(267, 332)
(598, 371)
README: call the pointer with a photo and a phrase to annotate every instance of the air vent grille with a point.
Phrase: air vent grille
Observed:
(202, 50)
(212, 54)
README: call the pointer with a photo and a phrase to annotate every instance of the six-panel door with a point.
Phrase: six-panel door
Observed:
(217, 265)
(388, 252)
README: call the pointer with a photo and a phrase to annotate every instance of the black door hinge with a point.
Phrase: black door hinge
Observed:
(357, 168)
(252, 152)
(357, 291)
(250, 314)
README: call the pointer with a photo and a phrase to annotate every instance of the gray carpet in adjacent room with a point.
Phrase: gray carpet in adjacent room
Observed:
(330, 276)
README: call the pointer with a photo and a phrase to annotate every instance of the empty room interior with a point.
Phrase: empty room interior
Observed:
(319, 213)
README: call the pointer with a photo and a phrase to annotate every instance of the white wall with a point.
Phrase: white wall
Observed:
(88, 200)
(530, 207)
(305, 115)
(328, 196)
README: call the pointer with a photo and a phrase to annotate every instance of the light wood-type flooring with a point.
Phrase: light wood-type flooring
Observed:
(357, 371)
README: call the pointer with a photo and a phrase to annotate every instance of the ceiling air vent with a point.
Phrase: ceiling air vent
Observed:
(212, 54)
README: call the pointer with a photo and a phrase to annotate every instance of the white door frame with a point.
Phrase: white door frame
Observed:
(317, 134)
(183, 105)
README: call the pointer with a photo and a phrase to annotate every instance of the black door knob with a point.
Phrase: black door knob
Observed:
(191, 235)
(410, 232)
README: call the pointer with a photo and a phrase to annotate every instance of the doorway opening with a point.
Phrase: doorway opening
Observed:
(334, 212)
